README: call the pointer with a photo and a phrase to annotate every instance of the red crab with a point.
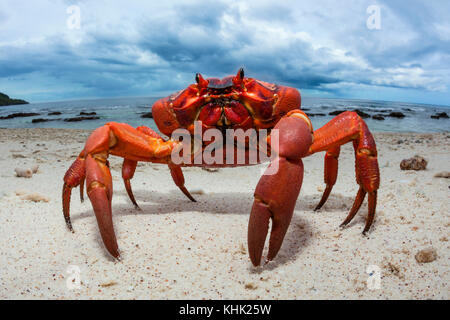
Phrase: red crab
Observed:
(230, 103)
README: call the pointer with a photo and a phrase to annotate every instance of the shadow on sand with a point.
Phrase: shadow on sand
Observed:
(160, 203)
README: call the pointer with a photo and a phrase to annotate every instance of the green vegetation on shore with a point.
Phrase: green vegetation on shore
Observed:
(7, 101)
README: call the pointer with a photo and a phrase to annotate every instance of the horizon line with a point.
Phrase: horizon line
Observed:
(303, 96)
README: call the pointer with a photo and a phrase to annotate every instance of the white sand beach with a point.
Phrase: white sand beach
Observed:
(176, 249)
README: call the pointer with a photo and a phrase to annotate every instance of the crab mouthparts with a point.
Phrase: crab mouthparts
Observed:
(223, 113)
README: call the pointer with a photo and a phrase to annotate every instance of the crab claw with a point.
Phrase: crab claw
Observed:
(279, 187)
(99, 190)
(275, 198)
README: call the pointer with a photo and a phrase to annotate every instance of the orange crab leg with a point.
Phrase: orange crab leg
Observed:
(128, 169)
(346, 127)
(175, 170)
(73, 177)
(355, 208)
(276, 194)
(113, 138)
(178, 178)
(82, 191)
(330, 174)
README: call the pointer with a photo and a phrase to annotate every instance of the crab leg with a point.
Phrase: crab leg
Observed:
(129, 167)
(178, 178)
(276, 194)
(346, 127)
(113, 138)
(74, 176)
(82, 191)
(330, 174)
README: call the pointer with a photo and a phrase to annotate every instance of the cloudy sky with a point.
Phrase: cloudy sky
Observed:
(152, 48)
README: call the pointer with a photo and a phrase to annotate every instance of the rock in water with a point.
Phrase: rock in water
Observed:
(19, 115)
(378, 117)
(362, 114)
(75, 119)
(39, 120)
(442, 115)
(316, 114)
(147, 115)
(335, 113)
(396, 114)
(415, 163)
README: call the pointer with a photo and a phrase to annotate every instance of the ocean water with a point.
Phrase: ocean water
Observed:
(129, 110)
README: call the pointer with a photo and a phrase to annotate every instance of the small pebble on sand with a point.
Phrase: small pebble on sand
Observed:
(26, 172)
(35, 168)
(250, 286)
(414, 163)
(108, 284)
(445, 175)
(23, 173)
(426, 255)
(198, 191)
(210, 169)
(35, 197)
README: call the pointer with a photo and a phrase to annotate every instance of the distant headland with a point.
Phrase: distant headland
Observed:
(7, 101)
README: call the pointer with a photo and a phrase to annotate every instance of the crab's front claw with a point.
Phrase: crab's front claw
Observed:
(279, 187)
(275, 198)
(99, 190)
(92, 165)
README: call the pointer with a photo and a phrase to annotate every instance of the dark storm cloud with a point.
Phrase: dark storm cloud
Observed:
(147, 49)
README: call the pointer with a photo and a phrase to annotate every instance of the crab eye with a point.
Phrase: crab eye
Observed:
(241, 73)
(201, 81)
(239, 78)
